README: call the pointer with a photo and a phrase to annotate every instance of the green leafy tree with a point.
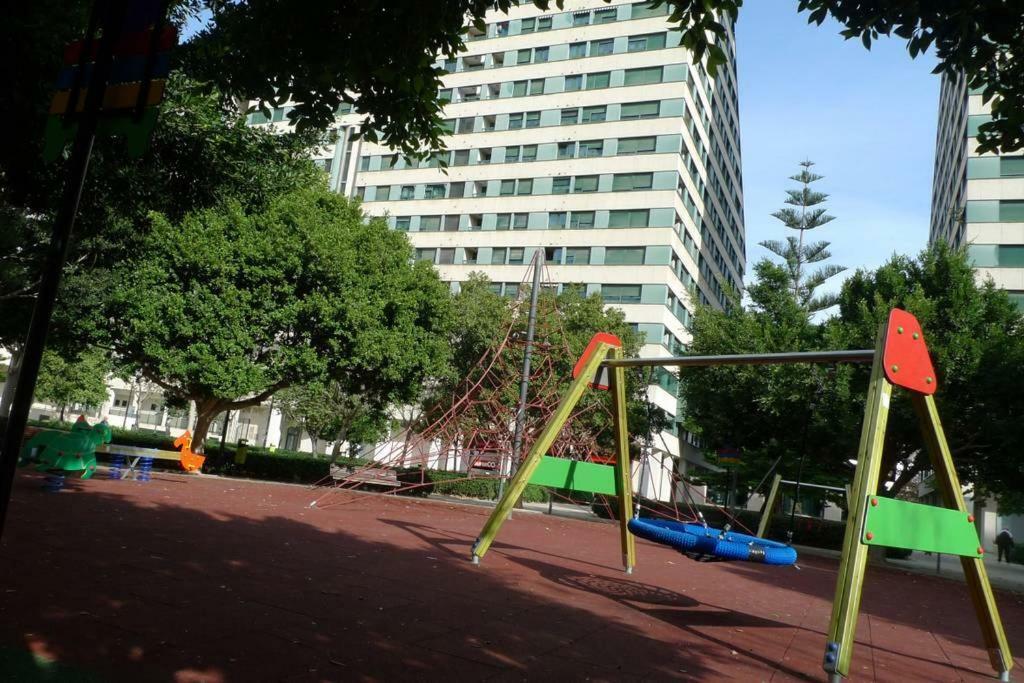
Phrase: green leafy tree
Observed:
(807, 213)
(976, 339)
(784, 413)
(82, 379)
(329, 413)
(304, 290)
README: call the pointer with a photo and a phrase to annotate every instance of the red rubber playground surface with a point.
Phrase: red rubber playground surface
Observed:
(206, 579)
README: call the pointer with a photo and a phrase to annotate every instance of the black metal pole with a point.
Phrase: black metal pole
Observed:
(112, 13)
(524, 383)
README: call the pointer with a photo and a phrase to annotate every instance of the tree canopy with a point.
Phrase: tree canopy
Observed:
(240, 305)
(805, 213)
(976, 339)
(81, 379)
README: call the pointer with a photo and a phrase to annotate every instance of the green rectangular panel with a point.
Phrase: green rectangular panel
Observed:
(560, 473)
(900, 524)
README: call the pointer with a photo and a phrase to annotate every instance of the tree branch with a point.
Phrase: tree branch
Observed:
(22, 293)
(257, 399)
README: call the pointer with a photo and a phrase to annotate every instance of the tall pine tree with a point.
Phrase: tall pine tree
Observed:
(806, 214)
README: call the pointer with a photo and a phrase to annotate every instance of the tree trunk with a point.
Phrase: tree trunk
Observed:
(204, 418)
(338, 440)
(62, 409)
(13, 371)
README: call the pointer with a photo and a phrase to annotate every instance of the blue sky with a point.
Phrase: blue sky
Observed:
(867, 118)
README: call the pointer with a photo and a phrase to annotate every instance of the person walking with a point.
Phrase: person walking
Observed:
(1004, 543)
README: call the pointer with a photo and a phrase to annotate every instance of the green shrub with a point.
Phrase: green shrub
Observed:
(456, 484)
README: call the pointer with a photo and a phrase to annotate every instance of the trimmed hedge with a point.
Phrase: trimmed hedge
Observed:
(456, 484)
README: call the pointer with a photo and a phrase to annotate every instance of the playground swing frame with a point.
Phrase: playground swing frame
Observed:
(900, 358)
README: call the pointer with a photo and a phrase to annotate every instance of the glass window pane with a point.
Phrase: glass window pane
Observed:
(1011, 166)
(636, 145)
(581, 219)
(383, 193)
(1011, 211)
(577, 50)
(566, 150)
(573, 83)
(974, 122)
(525, 186)
(515, 255)
(544, 24)
(622, 294)
(643, 76)
(523, 56)
(530, 153)
(592, 114)
(425, 254)
(537, 86)
(402, 223)
(570, 116)
(504, 221)
(618, 256)
(605, 16)
(498, 256)
(540, 55)
(639, 110)
(511, 154)
(591, 148)
(428, 223)
(446, 256)
(598, 80)
(556, 220)
(532, 119)
(585, 183)
(515, 121)
(983, 211)
(600, 48)
(527, 26)
(625, 182)
(629, 218)
(642, 10)
(581, 19)
(519, 221)
(519, 89)
(560, 185)
(577, 256)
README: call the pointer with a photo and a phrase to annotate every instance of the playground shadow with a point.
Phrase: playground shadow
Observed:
(920, 608)
(126, 581)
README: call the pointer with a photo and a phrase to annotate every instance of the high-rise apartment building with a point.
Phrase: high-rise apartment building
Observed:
(978, 199)
(590, 136)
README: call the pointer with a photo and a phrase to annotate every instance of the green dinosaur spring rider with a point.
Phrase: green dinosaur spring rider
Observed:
(57, 452)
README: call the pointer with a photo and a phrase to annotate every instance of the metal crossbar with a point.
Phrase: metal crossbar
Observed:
(857, 356)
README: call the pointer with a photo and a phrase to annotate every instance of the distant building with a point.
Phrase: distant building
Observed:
(977, 199)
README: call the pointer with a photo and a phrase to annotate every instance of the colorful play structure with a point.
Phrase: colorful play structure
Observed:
(900, 359)
(58, 453)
